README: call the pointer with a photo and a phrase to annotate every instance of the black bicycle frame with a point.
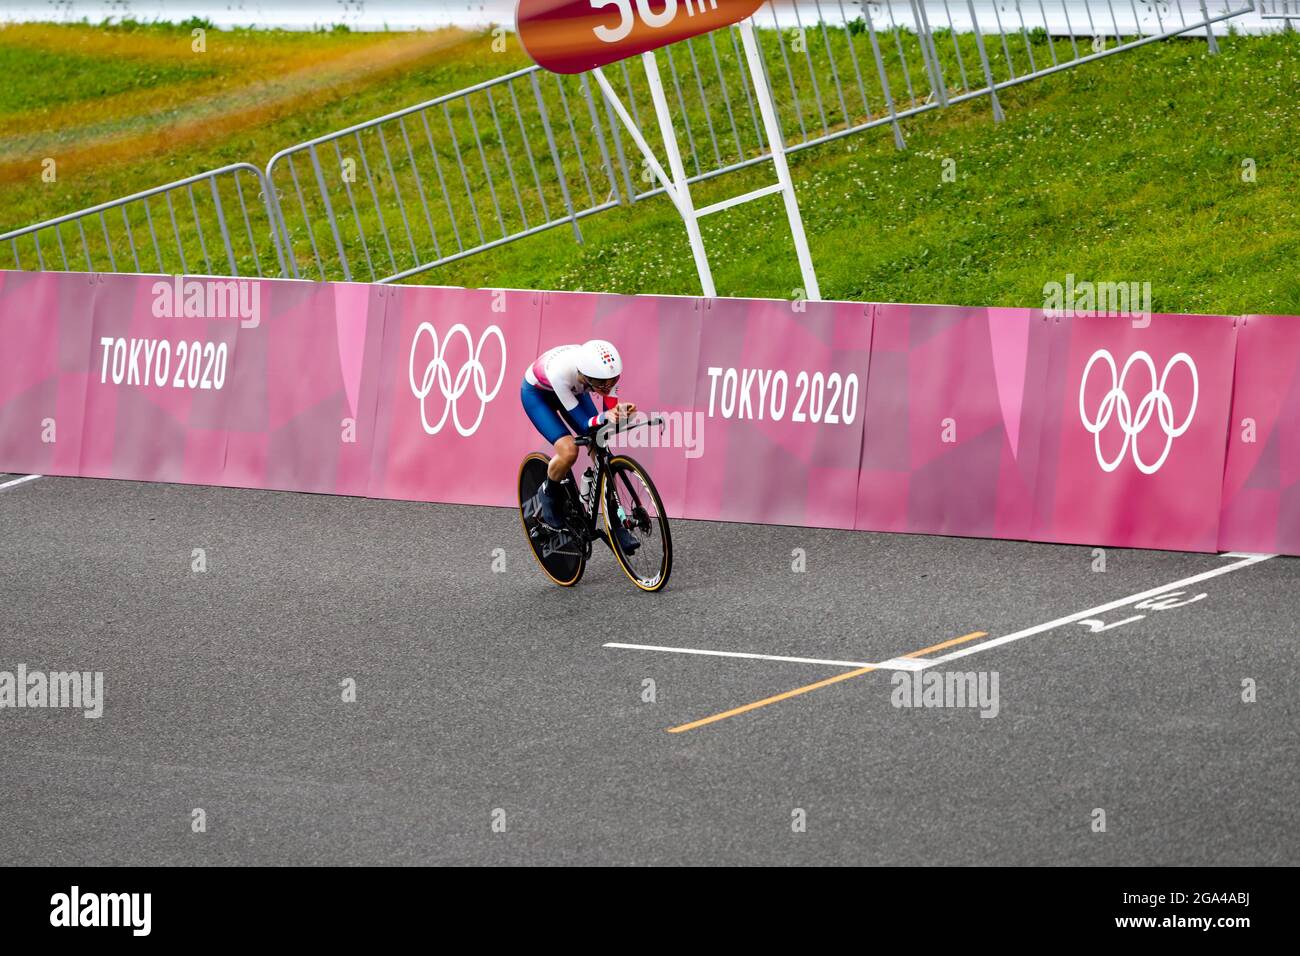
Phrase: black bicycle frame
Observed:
(600, 455)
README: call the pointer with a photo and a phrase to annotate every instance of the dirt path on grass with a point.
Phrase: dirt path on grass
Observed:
(212, 110)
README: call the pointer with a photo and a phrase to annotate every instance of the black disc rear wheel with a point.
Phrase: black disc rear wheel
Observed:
(560, 553)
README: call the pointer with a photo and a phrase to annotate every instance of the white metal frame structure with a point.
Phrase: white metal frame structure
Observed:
(677, 187)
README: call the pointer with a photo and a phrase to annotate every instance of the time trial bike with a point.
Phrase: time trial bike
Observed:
(617, 487)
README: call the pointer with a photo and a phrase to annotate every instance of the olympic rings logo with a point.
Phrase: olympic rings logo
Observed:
(453, 389)
(1116, 403)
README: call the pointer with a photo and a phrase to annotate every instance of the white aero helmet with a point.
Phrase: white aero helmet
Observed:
(599, 359)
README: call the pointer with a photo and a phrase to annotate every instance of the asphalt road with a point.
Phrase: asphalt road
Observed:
(492, 725)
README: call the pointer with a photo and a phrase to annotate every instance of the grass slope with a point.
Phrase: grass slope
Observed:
(1129, 169)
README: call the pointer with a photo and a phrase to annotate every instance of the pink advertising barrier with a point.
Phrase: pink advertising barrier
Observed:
(203, 381)
(302, 389)
(156, 400)
(929, 419)
(44, 363)
(1004, 423)
(449, 426)
(1134, 418)
(953, 420)
(1261, 484)
(781, 387)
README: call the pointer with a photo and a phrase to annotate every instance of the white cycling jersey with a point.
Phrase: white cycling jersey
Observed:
(556, 371)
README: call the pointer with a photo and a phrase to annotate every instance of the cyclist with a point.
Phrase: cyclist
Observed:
(557, 396)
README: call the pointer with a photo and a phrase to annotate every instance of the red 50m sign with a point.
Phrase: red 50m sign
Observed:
(573, 36)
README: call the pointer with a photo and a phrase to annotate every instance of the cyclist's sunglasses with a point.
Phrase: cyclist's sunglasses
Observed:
(600, 384)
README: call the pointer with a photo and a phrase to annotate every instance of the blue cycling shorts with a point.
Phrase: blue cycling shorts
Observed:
(550, 417)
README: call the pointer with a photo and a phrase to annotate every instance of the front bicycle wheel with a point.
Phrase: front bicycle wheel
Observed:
(561, 555)
(632, 502)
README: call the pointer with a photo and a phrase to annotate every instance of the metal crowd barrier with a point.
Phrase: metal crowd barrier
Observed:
(123, 235)
(514, 156)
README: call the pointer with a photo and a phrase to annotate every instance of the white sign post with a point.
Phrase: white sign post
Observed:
(678, 188)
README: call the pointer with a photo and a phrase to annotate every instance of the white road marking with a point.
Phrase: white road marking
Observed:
(1100, 609)
(19, 481)
(761, 657)
(916, 664)
(903, 664)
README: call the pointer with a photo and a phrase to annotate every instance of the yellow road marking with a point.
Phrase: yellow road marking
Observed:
(769, 700)
(938, 647)
(818, 685)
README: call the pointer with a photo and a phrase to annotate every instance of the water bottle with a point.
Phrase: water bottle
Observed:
(585, 484)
